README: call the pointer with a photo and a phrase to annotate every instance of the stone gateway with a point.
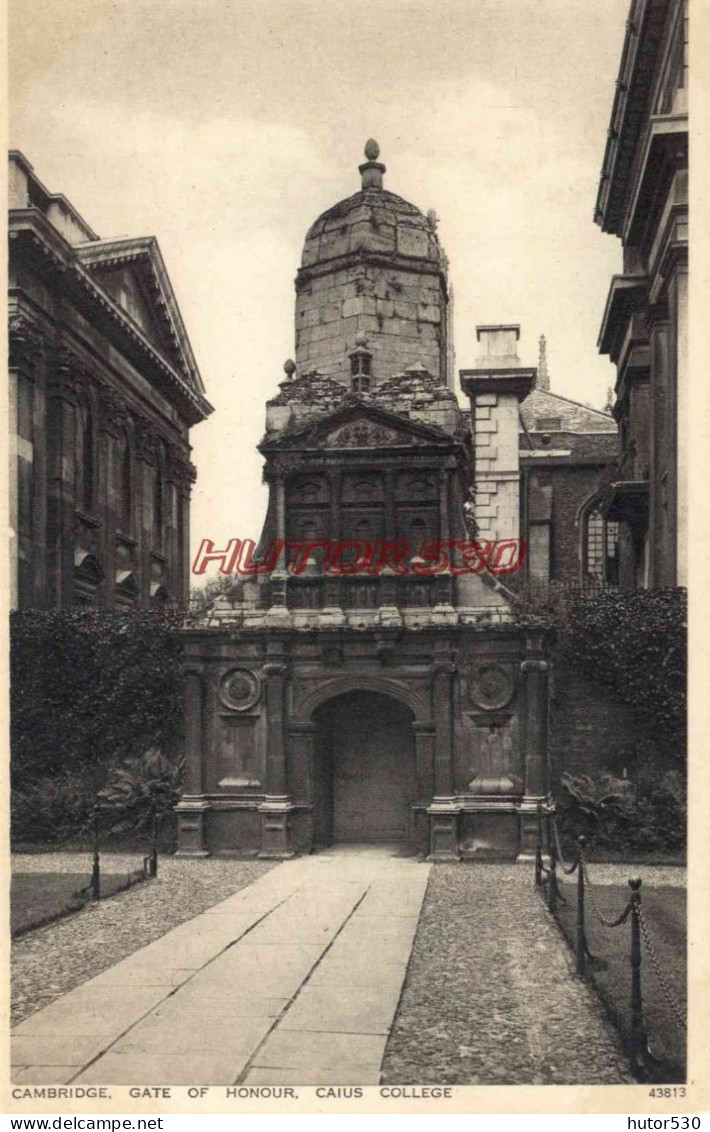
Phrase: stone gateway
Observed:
(388, 704)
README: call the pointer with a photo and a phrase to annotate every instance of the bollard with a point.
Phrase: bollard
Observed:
(538, 847)
(580, 938)
(96, 868)
(638, 1035)
(153, 859)
(552, 881)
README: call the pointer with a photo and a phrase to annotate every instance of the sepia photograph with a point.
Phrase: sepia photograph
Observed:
(348, 515)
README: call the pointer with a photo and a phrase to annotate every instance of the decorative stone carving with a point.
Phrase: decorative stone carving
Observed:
(367, 434)
(240, 689)
(68, 377)
(113, 415)
(178, 468)
(148, 440)
(491, 687)
(25, 341)
(283, 466)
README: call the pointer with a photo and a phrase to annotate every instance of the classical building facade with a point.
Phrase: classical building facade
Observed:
(104, 390)
(392, 697)
(643, 199)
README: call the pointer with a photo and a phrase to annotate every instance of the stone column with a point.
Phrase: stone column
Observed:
(279, 578)
(443, 611)
(443, 811)
(301, 751)
(534, 671)
(424, 755)
(61, 436)
(275, 810)
(193, 806)
(332, 612)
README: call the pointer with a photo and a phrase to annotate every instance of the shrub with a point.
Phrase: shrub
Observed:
(646, 815)
(88, 691)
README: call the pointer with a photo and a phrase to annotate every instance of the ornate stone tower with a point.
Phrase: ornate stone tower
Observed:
(367, 683)
(372, 279)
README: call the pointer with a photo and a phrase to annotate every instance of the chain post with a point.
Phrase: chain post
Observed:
(153, 859)
(638, 1035)
(538, 847)
(96, 868)
(552, 880)
(581, 937)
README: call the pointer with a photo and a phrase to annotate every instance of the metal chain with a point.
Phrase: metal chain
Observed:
(602, 919)
(568, 869)
(659, 974)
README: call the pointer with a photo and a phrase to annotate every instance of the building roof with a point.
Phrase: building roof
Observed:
(542, 405)
(373, 220)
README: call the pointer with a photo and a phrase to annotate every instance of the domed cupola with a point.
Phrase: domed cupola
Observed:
(372, 277)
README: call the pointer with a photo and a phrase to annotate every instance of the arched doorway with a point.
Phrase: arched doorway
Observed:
(364, 770)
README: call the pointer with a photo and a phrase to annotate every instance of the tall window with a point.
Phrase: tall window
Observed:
(85, 461)
(360, 370)
(600, 545)
(125, 486)
(158, 506)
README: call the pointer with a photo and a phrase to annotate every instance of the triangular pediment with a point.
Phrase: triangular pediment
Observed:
(132, 273)
(360, 425)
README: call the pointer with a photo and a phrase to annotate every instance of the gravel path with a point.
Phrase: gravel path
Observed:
(490, 998)
(51, 961)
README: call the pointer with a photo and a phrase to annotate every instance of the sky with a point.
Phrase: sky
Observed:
(225, 127)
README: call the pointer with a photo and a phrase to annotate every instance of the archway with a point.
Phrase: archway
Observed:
(364, 769)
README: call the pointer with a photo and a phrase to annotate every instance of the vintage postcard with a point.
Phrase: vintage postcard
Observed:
(351, 456)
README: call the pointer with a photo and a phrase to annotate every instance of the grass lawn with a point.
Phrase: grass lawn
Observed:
(664, 910)
(38, 898)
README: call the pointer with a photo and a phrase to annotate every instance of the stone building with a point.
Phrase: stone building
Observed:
(388, 695)
(542, 456)
(643, 199)
(104, 390)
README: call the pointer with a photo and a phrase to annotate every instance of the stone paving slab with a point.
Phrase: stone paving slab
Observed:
(163, 1069)
(350, 1010)
(88, 1011)
(200, 1004)
(45, 1074)
(313, 1052)
(345, 1075)
(49, 1049)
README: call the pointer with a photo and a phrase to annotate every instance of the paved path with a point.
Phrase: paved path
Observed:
(295, 979)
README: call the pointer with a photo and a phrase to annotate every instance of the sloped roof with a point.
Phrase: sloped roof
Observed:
(573, 416)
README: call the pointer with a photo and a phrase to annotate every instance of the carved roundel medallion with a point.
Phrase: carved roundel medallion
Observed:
(240, 689)
(492, 687)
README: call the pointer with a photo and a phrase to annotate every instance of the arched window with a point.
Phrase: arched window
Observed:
(599, 547)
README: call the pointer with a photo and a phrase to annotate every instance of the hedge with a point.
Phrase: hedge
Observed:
(89, 692)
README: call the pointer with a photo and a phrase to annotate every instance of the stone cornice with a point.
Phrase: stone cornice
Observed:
(387, 261)
(633, 87)
(29, 226)
(519, 381)
(627, 296)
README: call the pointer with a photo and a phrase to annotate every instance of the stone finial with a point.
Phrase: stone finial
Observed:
(543, 377)
(371, 172)
(289, 368)
(361, 339)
